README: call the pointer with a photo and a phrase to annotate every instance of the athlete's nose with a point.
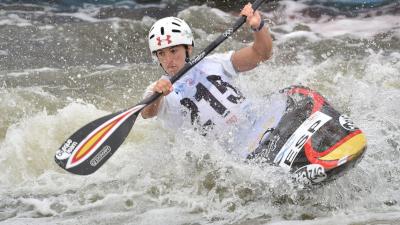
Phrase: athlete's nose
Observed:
(168, 58)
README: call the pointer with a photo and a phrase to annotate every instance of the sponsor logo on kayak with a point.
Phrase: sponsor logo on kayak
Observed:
(347, 123)
(100, 156)
(295, 143)
(312, 173)
(66, 150)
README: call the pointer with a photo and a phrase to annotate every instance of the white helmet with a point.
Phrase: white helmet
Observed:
(169, 31)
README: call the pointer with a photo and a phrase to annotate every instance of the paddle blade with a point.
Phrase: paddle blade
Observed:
(92, 145)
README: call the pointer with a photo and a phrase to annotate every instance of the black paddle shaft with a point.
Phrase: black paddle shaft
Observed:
(204, 53)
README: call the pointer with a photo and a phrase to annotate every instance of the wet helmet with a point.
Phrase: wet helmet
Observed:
(169, 31)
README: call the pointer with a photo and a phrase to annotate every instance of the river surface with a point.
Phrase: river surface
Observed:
(67, 63)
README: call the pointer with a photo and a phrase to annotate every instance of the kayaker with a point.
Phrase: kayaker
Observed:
(205, 94)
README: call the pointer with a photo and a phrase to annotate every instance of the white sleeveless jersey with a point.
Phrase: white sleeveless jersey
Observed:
(205, 96)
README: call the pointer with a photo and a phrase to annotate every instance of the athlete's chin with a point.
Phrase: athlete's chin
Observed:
(172, 72)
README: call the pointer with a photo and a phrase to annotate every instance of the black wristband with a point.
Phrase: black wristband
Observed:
(259, 27)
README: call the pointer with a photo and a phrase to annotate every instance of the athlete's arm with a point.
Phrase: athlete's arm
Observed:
(249, 57)
(152, 109)
(162, 86)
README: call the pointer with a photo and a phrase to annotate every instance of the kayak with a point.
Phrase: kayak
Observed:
(311, 139)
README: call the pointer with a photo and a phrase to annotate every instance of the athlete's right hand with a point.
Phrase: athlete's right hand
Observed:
(163, 86)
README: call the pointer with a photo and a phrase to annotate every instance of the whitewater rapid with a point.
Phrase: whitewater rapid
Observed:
(62, 69)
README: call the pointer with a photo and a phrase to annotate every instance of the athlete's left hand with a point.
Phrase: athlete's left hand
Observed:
(253, 18)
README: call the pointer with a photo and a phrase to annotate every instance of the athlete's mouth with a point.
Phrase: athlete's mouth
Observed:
(172, 68)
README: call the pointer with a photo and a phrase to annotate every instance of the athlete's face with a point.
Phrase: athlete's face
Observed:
(172, 59)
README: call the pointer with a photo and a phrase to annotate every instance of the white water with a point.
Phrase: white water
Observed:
(158, 177)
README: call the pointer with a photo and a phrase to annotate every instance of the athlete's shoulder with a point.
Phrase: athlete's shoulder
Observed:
(219, 57)
(222, 61)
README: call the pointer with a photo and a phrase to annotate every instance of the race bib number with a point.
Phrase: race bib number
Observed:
(216, 96)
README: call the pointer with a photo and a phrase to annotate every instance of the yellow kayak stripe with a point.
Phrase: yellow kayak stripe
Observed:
(353, 146)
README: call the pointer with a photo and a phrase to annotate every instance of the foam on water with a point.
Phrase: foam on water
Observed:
(14, 20)
(28, 145)
(362, 28)
(160, 177)
(363, 25)
(30, 71)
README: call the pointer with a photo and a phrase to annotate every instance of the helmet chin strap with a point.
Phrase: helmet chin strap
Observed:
(187, 59)
(164, 69)
(161, 66)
